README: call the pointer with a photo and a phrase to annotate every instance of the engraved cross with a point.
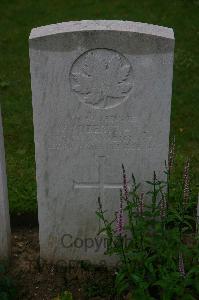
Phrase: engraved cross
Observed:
(100, 184)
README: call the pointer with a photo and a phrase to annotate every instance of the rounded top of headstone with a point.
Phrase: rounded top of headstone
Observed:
(102, 25)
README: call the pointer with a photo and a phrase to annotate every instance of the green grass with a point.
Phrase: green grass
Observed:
(17, 19)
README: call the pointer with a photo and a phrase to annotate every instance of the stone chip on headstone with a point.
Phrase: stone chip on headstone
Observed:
(101, 94)
(4, 206)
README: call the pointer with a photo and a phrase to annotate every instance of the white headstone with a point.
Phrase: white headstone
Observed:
(101, 97)
(4, 207)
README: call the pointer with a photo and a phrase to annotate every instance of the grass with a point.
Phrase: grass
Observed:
(17, 19)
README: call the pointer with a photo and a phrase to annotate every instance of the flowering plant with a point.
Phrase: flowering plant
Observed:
(155, 236)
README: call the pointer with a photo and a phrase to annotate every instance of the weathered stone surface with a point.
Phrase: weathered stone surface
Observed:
(4, 207)
(101, 97)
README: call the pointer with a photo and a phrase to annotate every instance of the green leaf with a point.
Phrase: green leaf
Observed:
(100, 215)
(101, 230)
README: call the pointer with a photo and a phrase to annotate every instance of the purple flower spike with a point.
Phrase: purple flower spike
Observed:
(125, 186)
(141, 204)
(163, 207)
(120, 220)
(186, 182)
(171, 155)
(181, 265)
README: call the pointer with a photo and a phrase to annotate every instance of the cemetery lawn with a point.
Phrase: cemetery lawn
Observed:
(17, 19)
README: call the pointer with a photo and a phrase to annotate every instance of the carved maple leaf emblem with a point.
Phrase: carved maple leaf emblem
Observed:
(103, 80)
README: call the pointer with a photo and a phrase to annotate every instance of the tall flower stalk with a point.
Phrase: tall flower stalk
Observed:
(120, 219)
(171, 158)
(163, 207)
(181, 265)
(125, 186)
(171, 162)
(186, 178)
(141, 204)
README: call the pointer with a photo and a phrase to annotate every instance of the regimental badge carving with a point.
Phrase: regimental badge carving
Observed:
(102, 78)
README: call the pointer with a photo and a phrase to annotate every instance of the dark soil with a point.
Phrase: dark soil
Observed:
(24, 220)
(34, 280)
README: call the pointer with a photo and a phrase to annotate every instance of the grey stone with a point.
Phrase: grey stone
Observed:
(101, 94)
(4, 207)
